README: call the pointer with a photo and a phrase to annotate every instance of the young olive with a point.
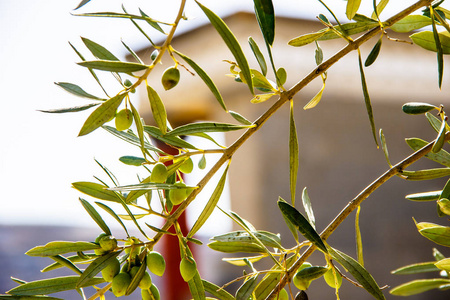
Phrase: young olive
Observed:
(146, 281)
(330, 279)
(120, 284)
(283, 295)
(156, 263)
(187, 166)
(124, 119)
(159, 173)
(154, 54)
(111, 270)
(170, 78)
(108, 243)
(188, 268)
(178, 195)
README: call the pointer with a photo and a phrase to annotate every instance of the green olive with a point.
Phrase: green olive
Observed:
(330, 279)
(170, 78)
(159, 173)
(100, 251)
(111, 270)
(127, 83)
(146, 295)
(178, 195)
(154, 54)
(120, 284)
(188, 268)
(146, 281)
(156, 263)
(301, 296)
(155, 292)
(187, 166)
(124, 119)
(108, 243)
(283, 295)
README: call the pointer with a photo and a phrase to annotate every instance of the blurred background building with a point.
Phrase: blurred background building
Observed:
(338, 156)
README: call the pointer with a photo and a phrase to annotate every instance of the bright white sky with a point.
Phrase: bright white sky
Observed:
(40, 154)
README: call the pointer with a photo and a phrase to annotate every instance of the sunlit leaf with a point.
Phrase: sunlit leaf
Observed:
(293, 153)
(418, 286)
(258, 55)
(14, 297)
(306, 38)
(74, 259)
(70, 109)
(302, 224)
(62, 261)
(384, 147)
(76, 90)
(95, 216)
(136, 279)
(216, 291)
(442, 157)
(416, 268)
(240, 261)
(101, 114)
(266, 19)
(152, 23)
(139, 127)
(350, 29)
(425, 39)
(116, 15)
(358, 272)
(205, 77)
(440, 140)
(367, 98)
(131, 138)
(95, 190)
(95, 267)
(158, 109)
(205, 127)
(359, 246)
(268, 239)
(209, 207)
(352, 8)
(410, 23)
(82, 3)
(261, 82)
(98, 51)
(440, 52)
(113, 66)
(316, 99)
(196, 287)
(132, 160)
(52, 285)
(247, 288)
(232, 43)
(427, 196)
(289, 224)
(379, 8)
(233, 247)
(426, 174)
(443, 264)
(308, 208)
(238, 117)
(170, 140)
(61, 247)
(262, 98)
(438, 234)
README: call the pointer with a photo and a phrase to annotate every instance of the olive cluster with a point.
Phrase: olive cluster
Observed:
(135, 266)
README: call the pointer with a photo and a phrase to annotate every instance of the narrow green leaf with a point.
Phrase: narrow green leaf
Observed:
(426, 40)
(238, 117)
(241, 261)
(95, 190)
(81, 4)
(367, 98)
(136, 57)
(306, 39)
(209, 207)
(131, 138)
(268, 239)
(170, 140)
(205, 127)
(139, 28)
(216, 291)
(52, 285)
(61, 247)
(289, 224)
(95, 267)
(434, 121)
(426, 174)
(261, 82)
(374, 53)
(74, 259)
(234, 247)
(98, 51)
(358, 272)
(136, 279)
(416, 268)
(258, 55)
(113, 214)
(440, 140)
(70, 109)
(349, 28)
(442, 157)
(208, 137)
(443, 264)
(139, 127)
(316, 99)
(118, 15)
(247, 288)
(446, 191)
(196, 287)
(232, 43)
(62, 261)
(205, 77)
(95, 216)
(152, 23)
(384, 147)
(302, 224)
(262, 98)
(158, 109)
(266, 19)
(76, 90)
(418, 286)
(271, 279)
(379, 8)
(427, 196)
(13, 297)
(410, 23)
(440, 52)
(113, 66)
(352, 8)
(438, 234)
(132, 160)
(101, 114)
(293, 153)
(359, 246)
(308, 208)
